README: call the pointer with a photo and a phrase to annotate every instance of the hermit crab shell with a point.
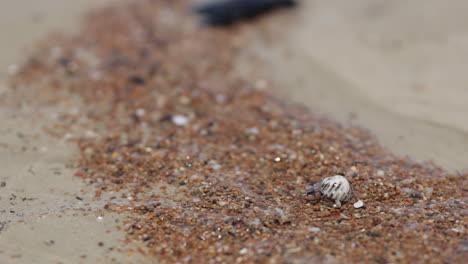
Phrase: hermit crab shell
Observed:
(336, 188)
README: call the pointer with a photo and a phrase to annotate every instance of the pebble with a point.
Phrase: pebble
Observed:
(358, 204)
(140, 112)
(380, 173)
(314, 229)
(252, 130)
(243, 251)
(180, 120)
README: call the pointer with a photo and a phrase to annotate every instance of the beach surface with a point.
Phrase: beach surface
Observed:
(392, 68)
(39, 196)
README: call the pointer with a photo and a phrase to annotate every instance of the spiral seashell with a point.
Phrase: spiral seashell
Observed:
(336, 188)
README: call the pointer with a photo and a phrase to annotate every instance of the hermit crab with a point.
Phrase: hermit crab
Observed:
(336, 188)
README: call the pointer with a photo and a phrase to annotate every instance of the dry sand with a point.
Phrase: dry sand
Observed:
(397, 67)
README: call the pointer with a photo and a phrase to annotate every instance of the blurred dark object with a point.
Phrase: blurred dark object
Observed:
(227, 12)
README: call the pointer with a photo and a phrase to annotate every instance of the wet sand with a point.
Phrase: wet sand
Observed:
(395, 68)
(38, 193)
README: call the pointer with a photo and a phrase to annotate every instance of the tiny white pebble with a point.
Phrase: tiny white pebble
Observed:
(358, 204)
(297, 132)
(140, 112)
(216, 166)
(252, 130)
(243, 251)
(277, 159)
(99, 218)
(314, 229)
(90, 134)
(256, 222)
(67, 136)
(221, 98)
(95, 75)
(184, 100)
(180, 120)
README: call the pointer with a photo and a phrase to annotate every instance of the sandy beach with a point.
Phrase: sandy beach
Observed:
(38, 193)
(392, 68)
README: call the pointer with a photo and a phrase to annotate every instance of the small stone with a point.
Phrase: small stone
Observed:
(90, 134)
(252, 130)
(184, 100)
(140, 112)
(256, 222)
(314, 229)
(180, 120)
(88, 151)
(343, 216)
(380, 173)
(221, 98)
(358, 204)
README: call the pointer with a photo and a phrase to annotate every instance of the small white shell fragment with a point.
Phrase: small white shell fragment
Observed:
(314, 229)
(358, 204)
(140, 112)
(337, 188)
(252, 130)
(180, 120)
